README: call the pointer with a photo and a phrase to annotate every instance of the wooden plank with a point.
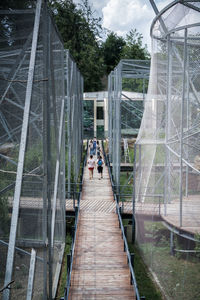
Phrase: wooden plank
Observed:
(100, 269)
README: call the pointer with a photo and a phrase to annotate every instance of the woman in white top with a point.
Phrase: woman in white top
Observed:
(91, 165)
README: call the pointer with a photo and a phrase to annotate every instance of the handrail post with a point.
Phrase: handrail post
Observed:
(68, 263)
(132, 259)
(125, 231)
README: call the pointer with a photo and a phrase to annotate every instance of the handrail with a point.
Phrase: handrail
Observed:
(127, 251)
(71, 256)
(133, 279)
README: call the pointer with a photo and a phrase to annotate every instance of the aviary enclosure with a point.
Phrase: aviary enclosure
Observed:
(167, 154)
(40, 124)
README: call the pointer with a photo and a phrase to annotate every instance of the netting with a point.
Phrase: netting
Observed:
(74, 125)
(35, 76)
(167, 154)
(88, 119)
(126, 92)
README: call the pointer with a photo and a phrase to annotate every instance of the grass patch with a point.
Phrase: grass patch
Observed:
(63, 276)
(146, 286)
(179, 275)
(125, 185)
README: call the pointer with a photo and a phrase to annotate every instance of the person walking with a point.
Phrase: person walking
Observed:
(98, 150)
(100, 163)
(91, 147)
(91, 165)
(94, 145)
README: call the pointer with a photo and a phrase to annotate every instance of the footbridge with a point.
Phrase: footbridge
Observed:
(101, 266)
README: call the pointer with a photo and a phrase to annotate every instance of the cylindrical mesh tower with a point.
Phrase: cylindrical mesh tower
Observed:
(167, 167)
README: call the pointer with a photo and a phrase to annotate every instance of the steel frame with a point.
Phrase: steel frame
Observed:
(168, 140)
(53, 84)
(137, 69)
(188, 128)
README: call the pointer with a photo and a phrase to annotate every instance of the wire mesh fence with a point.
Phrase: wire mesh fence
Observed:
(35, 75)
(167, 154)
(73, 123)
(126, 94)
(88, 119)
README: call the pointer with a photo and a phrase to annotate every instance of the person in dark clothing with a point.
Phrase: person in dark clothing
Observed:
(100, 163)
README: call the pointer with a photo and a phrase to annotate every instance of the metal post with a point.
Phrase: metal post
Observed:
(171, 243)
(57, 172)
(68, 263)
(134, 195)
(31, 275)
(167, 197)
(187, 124)
(132, 259)
(182, 124)
(24, 131)
(140, 171)
(69, 120)
(125, 231)
(47, 160)
(118, 126)
(132, 263)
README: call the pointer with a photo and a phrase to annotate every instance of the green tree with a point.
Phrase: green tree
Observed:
(111, 50)
(80, 31)
(133, 48)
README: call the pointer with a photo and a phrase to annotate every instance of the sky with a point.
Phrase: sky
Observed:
(121, 16)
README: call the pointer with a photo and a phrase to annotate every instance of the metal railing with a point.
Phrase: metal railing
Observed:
(70, 257)
(130, 257)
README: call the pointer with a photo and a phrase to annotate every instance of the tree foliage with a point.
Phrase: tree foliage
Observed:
(133, 47)
(80, 31)
(111, 50)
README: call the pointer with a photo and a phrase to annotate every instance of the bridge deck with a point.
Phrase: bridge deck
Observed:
(100, 269)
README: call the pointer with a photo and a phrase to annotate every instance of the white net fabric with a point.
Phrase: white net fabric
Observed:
(167, 168)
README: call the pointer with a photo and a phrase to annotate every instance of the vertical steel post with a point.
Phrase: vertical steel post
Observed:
(134, 195)
(69, 124)
(168, 125)
(57, 172)
(118, 126)
(187, 123)
(171, 243)
(47, 153)
(20, 166)
(63, 149)
(182, 124)
(114, 130)
(140, 173)
(31, 275)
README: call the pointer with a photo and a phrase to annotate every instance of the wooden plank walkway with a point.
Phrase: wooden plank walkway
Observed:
(100, 270)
